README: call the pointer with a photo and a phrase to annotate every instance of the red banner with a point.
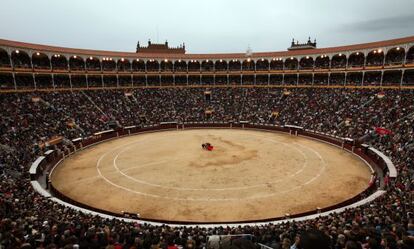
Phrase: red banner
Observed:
(382, 131)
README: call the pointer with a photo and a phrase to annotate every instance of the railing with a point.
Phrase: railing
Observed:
(378, 162)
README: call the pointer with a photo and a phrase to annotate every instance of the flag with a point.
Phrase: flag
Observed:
(382, 131)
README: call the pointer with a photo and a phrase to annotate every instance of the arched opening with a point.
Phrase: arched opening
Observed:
(306, 63)
(207, 66)
(248, 65)
(138, 65)
(322, 62)
(108, 64)
(193, 66)
(153, 66)
(395, 56)
(40, 61)
(166, 66)
(410, 56)
(4, 58)
(124, 65)
(59, 62)
(262, 65)
(20, 59)
(93, 64)
(375, 58)
(338, 61)
(180, 66)
(276, 64)
(234, 65)
(291, 64)
(76, 63)
(356, 59)
(220, 65)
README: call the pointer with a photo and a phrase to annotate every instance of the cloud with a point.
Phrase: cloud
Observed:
(382, 24)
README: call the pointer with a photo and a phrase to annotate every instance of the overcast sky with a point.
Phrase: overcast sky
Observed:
(206, 26)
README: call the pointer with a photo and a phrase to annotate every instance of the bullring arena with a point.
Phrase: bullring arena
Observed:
(250, 175)
(157, 148)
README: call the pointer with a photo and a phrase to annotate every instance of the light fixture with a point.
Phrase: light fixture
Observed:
(17, 51)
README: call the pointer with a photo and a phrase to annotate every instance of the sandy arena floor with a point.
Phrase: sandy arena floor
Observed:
(249, 175)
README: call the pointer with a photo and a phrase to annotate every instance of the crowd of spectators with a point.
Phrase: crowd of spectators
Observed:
(27, 220)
